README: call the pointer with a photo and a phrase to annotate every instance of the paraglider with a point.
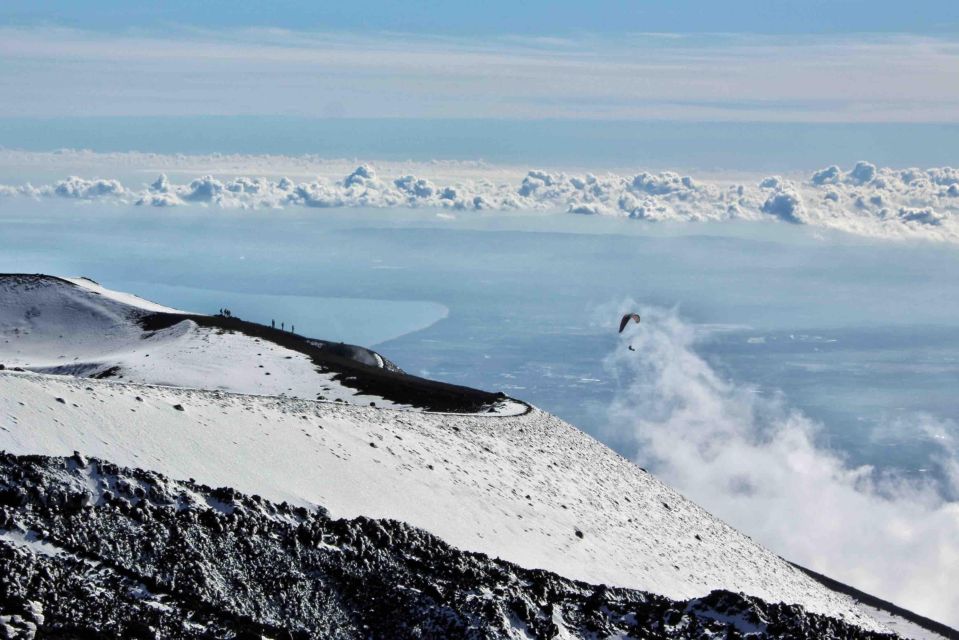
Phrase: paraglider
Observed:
(626, 319)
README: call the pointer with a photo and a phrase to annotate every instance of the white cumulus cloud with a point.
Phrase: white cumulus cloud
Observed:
(785, 205)
(74, 187)
(864, 199)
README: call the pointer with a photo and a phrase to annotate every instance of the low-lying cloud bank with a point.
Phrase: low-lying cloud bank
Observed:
(865, 200)
(755, 462)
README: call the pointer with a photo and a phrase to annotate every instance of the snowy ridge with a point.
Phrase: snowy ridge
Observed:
(87, 330)
(77, 327)
(529, 489)
(120, 297)
(865, 199)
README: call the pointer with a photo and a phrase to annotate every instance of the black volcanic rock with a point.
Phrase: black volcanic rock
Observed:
(90, 550)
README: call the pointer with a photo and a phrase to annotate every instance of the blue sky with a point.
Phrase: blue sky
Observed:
(502, 16)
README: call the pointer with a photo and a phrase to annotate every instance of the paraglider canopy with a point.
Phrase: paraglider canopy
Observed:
(626, 319)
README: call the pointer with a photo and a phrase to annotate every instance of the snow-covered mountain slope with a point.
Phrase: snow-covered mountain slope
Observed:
(231, 403)
(133, 554)
(529, 489)
(77, 327)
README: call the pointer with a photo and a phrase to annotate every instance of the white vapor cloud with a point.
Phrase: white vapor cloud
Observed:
(754, 462)
(865, 200)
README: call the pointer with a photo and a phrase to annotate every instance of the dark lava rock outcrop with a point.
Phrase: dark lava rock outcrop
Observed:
(91, 550)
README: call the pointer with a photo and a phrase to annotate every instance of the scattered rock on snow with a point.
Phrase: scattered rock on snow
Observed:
(120, 570)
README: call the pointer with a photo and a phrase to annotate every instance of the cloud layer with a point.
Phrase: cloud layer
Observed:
(755, 462)
(863, 199)
(53, 72)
